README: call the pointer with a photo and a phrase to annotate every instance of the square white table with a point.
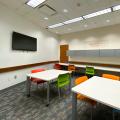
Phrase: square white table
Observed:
(103, 90)
(48, 76)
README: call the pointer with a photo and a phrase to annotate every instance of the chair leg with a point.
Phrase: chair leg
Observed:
(43, 89)
(91, 112)
(43, 86)
(59, 92)
(37, 86)
(113, 114)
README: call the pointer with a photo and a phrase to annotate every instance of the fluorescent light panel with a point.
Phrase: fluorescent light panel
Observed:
(115, 8)
(35, 3)
(101, 12)
(108, 10)
(73, 20)
(56, 25)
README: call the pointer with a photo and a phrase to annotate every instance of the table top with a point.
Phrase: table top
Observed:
(48, 75)
(103, 90)
(96, 67)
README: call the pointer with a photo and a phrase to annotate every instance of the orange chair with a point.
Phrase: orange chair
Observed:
(80, 80)
(109, 76)
(36, 80)
(81, 97)
(57, 66)
(71, 68)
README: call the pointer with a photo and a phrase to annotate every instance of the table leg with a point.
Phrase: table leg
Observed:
(28, 86)
(48, 93)
(74, 106)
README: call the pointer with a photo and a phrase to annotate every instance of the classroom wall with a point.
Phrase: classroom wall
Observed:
(99, 38)
(47, 46)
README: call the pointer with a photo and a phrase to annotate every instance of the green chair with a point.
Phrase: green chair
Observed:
(62, 81)
(90, 71)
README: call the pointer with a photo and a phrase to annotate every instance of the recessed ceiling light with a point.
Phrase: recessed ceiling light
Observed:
(107, 21)
(46, 18)
(56, 25)
(65, 10)
(73, 20)
(35, 3)
(101, 12)
(115, 8)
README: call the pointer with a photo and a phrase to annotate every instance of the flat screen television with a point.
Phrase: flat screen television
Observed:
(23, 42)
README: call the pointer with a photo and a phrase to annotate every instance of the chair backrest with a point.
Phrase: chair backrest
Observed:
(109, 76)
(63, 78)
(37, 70)
(80, 80)
(57, 66)
(90, 70)
(71, 67)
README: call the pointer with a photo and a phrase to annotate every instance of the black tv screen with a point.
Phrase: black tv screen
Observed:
(23, 42)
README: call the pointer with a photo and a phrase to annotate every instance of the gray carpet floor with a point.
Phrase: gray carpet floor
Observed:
(14, 105)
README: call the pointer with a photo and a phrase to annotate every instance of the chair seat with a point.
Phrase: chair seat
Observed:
(80, 80)
(89, 73)
(71, 68)
(57, 66)
(83, 98)
(90, 70)
(61, 84)
(110, 76)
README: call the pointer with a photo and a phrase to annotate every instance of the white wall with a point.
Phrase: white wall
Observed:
(100, 38)
(47, 46)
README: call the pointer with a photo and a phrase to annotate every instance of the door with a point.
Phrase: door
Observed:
(63, 53)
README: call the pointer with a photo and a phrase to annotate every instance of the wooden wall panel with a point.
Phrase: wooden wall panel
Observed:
(9, 69)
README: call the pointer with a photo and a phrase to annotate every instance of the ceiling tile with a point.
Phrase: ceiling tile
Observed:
(76, 8)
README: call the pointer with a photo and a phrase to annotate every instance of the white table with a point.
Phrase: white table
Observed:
(103, 90)
(48, 76)
(96, 67)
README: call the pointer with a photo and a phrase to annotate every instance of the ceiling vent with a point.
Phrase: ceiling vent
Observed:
(46, 9)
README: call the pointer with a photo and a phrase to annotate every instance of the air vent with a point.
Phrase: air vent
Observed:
(47, 10)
